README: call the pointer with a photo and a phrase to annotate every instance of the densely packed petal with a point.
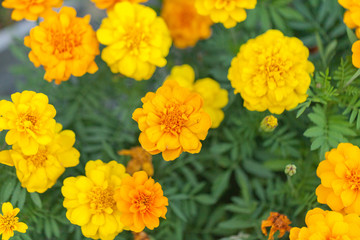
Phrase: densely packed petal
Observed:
(172, 121)
(271, 72)
(137, 40)
(64, 45)
(141, 202)
(90, 202)
(185, 24)
(9, 222)
(108, 4)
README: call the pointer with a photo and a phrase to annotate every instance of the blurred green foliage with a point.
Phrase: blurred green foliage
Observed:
(238, 177)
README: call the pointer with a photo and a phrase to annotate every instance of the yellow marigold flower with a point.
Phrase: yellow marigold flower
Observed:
(64, 44)
(30, 9)
(108, 4)
(137, 40)
(228, 12)
(269, 123)
(185, 24)
(277, 222)
(29, 119)
(90, 202)
(9, 222)
(213, 95)
(271, 72)
(327, 225)
(141, 202)
(172, 121)
(140, 160)
(40, 171)
(340, 179)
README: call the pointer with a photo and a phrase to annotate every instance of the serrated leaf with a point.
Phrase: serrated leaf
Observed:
(36, 199)
(205, 199)
(314, 132)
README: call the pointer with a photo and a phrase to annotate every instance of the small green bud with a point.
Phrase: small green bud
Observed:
(290, 169)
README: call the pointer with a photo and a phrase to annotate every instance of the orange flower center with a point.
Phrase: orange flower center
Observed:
(173, 118)
(101, 199)
(144, 201)
(229, 4)
(39, 159)
(353, 178)
(8, 222)
(135, 38)
(64, 42)
(26, 121)
(274, 69)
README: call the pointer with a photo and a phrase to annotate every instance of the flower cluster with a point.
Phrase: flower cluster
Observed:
(30, 10)
(215, 98)
(172, 121)
(137, 40)
(108, 4)
(340, 179)
(140, 160)
(327, 225)
(107, 200)
(41, 150)
(228, 12)
(271, 72)
(64, 44)
(185, 24)
(9, 222)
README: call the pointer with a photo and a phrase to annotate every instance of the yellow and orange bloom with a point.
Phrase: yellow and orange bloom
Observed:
(30, 9)
(186, 26)
(140, 160)
(215, 98)
(141, 202)
(172, 121)
(227, 12)
(356, 54)
(340, 179)
(40, 171)
(137, 40)
(9, 222)
(108, 4)
(271, 72)
(276, 222)
(64, 45)
(352, 14)
(29, 119)
(90, 202)
(322, 224)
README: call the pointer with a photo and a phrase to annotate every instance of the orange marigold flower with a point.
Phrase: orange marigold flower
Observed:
(90, 202)
(141, 202)
(356, 54)
(29, 119)
(327, 225)
(140, 160)
(40, 171)
(340, 179)
(352, 15)
(9, 222)
(185, 24)
(228, 12)
(172, 121)
(108, 4)
(277, 222)
(30, 9)
(64, 44)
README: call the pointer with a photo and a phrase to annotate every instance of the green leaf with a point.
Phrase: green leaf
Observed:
(205, 199)
(314, 132)
(351, 35)
(177, 211)
(36, 199)
(237, 223)
(221, 183)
